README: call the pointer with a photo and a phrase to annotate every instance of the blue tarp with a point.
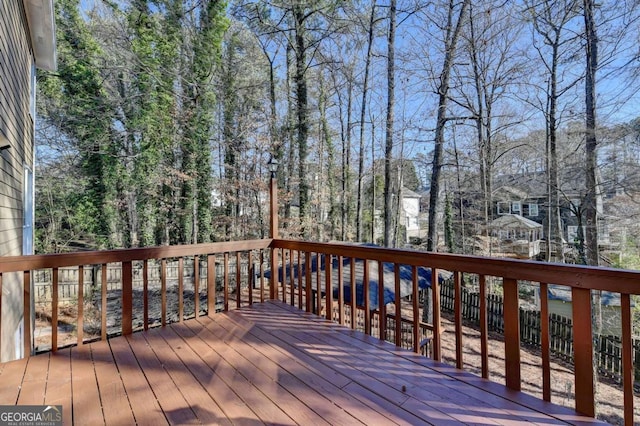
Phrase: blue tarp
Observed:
(405, 271)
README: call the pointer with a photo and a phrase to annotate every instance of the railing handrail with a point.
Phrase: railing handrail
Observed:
(59, 260)
(585, 277)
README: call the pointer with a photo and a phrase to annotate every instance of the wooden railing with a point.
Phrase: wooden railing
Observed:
(582, 281)
(315, 277)
(217, 290)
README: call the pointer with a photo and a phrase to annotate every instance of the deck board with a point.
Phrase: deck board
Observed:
(84, 388)
(264, 364)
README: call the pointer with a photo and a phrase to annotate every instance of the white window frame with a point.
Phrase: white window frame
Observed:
(502, 204)
(516, 207)
(533, 210)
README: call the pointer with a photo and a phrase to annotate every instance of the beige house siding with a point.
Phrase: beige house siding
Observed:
(611, 316)
(16, 129)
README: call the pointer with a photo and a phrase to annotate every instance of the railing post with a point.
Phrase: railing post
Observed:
(211, 285)
(127, 298)
(512, 333)
(583, 351)
(26, 294)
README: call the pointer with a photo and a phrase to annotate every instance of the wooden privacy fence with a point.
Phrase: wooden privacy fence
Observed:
(608, 349)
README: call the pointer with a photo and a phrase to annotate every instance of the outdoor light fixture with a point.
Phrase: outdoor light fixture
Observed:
(273, 167)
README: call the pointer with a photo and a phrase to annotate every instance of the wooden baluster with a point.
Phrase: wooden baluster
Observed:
(457, 308)
(627, 358)
(145, 293)
(365, 291)
(382, 308)
(328, 286)
(300, 281)
(352, 283)
(180, 289)
(583, 351)
(127, 298)
(211, 285)
(251, 276)
(163, 291)
(398, 305)
(238, 280)
(544, 342)
(292, 279)
(285, 267)
(225, 291)
(512, 333)
(484, 327)
(318, 285)
(196, 286)
(80, 323)
(261, 276)
(437, 324)
(416, 310)
(273, 283)
(54, 309)
(307, 274)
(103, 301)
(340, 290)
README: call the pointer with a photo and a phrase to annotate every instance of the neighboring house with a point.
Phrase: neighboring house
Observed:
(517, 235)
(526, 195)
(559, 302)
(409, 215)
(27, 41)
(410, 212)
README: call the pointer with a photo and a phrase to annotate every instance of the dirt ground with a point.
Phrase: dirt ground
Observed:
(609, 395)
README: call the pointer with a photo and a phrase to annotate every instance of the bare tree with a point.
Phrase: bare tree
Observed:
(455, 17)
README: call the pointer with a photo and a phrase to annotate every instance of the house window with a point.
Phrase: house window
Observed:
(533, 210)
(516, 207)
(504, 207)
(572, 233)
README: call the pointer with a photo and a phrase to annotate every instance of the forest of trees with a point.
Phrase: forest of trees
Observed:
(160, 121)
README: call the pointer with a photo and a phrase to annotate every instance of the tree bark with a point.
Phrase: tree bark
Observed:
(451, 40)
(591, 211)
(388, 150)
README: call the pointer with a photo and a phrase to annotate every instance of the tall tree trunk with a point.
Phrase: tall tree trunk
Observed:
(363, 109)
(451, 40)
(591, 211)
(388, 150)
(302, 113)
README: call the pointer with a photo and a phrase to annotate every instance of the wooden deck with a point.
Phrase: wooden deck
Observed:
(267, 363)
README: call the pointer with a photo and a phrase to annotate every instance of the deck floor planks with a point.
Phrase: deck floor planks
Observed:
(146, 409)
(87, 406)
(267, 363)
(273, 388)
(170, 397)
(179, 380)
(185, 365)
(34, 383)
(366, 370)
(235, 373)
(359, 407)
(11, 381)
(59, 383)
(299, 381)
(469, 401)
(115, 404)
